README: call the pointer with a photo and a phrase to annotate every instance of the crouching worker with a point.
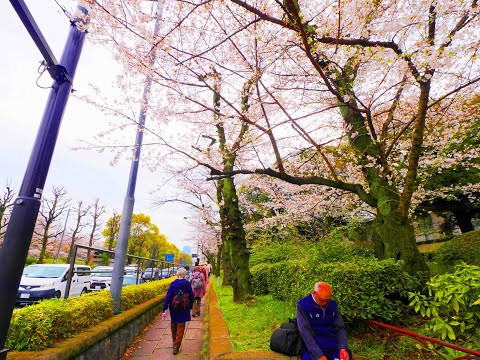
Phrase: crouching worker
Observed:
(321, 326)
(179, 300)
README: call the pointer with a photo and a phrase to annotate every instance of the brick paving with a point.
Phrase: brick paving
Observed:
(155, 342)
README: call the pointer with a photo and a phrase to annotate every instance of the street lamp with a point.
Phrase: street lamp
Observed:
(129, 201)
(14, 251)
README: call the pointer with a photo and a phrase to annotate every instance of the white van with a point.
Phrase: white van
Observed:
(45, 281)
(101, 278)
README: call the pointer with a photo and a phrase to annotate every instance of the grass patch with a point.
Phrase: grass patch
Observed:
(251, 324)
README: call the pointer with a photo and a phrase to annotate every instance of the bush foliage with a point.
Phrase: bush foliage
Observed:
(275, 252)
(364, 288)
(465, 247)
(36, 327)
(453, 302)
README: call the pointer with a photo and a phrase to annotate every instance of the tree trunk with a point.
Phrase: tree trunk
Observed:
(218, 261)
(72, 245)
(395, 239)
(238, 245)
(227, 264)
(44, 248)
(464, 220)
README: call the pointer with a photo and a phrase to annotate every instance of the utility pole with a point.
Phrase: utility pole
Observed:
(129, 201)
(13, 253)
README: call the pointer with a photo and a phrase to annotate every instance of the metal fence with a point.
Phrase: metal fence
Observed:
(161, 264)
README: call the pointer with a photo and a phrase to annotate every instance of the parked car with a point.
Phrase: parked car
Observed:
(165, 273)
(46, 281)
(132, 270)
(173, 270)
(151, 274)
(101, 278)
(131, 280)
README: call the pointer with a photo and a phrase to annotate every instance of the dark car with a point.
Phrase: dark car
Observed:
(151, 274)
(165, 273)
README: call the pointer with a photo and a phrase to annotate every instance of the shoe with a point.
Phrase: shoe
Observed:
(197, 314)
(175, 351)
(194, 314)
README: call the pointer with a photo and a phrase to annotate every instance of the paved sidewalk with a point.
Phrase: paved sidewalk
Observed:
(155, 342)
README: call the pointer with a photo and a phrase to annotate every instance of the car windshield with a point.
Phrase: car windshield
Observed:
(37, 271)
(102, 272)
(27, 270)
(129, 280)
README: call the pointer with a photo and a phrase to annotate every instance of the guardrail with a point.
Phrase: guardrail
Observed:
(422, 339)
(138, 258)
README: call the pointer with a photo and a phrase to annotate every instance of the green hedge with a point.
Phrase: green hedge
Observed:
(36, 327)
(364, 289)
(274, 253)
(465, 247)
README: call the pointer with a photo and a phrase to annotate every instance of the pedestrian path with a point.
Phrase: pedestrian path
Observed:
(155, 342)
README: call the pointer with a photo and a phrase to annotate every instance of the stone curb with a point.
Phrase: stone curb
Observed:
(219, 344)
(74, 347)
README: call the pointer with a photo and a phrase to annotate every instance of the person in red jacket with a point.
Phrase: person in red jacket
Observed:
(321, 326)
(198, 280)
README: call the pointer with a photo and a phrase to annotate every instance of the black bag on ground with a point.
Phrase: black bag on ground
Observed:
(287, 340)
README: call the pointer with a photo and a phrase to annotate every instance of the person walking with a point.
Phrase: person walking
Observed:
(321, 326)
(198, 280)
(209, 268)
(179, 300)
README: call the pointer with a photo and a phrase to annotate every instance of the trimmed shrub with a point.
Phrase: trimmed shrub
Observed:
(36, 327)
(332, 250)
(364, 289)
(273, 253)
(465, 247)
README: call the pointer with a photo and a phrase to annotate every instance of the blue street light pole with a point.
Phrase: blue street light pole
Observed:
(129, 201)
(13, 253)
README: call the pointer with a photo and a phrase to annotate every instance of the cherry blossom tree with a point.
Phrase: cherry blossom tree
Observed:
(349, 93)
(51, 209)
(96, 212)
(6, 202)
(80, 211)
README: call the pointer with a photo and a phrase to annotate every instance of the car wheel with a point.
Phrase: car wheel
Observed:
(57, 294)
(84, 291)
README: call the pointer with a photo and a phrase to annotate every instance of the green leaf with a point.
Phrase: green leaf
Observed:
(451, 333)
(455, 305)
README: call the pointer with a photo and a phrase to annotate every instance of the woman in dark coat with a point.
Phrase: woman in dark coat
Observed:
(178, 314)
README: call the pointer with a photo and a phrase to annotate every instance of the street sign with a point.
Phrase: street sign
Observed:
(194, 255)
(169, 257)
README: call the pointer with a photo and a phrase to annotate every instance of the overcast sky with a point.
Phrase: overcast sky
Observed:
(86, 175)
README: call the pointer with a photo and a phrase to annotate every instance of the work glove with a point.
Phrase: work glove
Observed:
(344, 355)
(164, 315)
(322, 358)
